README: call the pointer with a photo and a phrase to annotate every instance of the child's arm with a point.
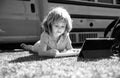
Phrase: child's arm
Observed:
(35, 50)
(41, 47)
(51, 53)
(68, 43)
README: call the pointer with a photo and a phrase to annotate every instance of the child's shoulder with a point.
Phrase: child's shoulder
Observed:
(44, 35)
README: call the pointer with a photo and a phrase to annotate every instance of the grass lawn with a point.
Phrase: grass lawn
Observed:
(25, 65)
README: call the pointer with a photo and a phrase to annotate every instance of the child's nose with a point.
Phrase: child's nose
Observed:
(60, 29)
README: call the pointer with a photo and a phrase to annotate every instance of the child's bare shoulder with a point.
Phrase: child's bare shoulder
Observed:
(44, 35)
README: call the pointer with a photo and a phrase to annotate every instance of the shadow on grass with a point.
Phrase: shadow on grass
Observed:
(34, 57)
(29, 58)
(93, 59)
(86, 58)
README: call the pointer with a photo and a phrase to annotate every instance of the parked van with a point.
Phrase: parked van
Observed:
(19, 21)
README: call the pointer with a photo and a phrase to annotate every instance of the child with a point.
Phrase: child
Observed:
(55, 38)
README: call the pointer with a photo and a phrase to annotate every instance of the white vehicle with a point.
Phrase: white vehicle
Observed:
(20, 19)
(90, 17)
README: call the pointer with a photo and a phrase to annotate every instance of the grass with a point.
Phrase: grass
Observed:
(25, 65)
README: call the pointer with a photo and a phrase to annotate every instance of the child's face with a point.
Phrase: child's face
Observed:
(58, 28)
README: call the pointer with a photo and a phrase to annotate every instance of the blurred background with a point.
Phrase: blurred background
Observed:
(20, 20)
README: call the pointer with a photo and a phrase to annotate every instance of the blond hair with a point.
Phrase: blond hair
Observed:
(56, 14)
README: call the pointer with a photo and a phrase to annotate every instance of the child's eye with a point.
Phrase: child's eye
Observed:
(56, 25)
(62, 26)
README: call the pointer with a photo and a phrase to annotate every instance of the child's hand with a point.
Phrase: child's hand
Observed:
(63, 51)
(71, 51)
(54, 52)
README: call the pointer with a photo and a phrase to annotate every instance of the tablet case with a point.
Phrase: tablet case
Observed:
(97, 48)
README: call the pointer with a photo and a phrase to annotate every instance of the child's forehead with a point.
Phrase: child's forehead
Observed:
(60, 21)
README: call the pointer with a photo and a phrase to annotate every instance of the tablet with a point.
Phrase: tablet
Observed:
(97, 48)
